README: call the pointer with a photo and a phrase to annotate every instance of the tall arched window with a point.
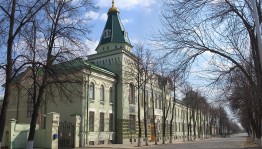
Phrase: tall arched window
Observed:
(111, 96)
(91, 91)
(102, 93)
(131, 94)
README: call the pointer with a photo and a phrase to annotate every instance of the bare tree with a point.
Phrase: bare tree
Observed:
(152, 82)
(191, 29)
(15, 15)
(134, 73)
(240, 100)
(165, 84)
(61, 30)
(177, 81)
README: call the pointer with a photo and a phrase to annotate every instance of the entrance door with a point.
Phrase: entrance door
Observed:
(66, 131)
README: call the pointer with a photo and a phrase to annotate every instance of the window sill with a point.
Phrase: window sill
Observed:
(102, 102)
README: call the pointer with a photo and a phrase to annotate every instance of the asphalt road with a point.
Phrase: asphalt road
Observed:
(232, 142)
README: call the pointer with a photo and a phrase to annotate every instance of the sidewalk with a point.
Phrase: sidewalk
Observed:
(249, 144)
(130, 146)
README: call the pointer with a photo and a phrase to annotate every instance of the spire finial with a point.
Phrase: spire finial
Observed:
(113, 8)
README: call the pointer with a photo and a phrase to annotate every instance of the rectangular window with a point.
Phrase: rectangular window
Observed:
(91, 91)
(156, 101)
(91, 142)
(102, 120)
(160, 103)
(30, 103)
(175, 126)
(159, 100)
(141, 98)
(91, 121)
(110, 122)
(132, 122)
(151, 100)
(167, 128)
(102, 93)
(147, 101)
(179, 127)
(111, 95)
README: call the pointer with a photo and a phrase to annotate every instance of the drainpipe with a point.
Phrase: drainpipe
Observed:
(82, 128)
(87, 106)
(115, 112)
(18, 103)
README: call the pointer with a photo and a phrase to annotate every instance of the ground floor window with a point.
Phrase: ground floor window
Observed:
(132, 122)
(102, 120)
(91, 121)
(110, 122)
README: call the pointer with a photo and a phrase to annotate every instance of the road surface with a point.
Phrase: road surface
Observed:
(232, 142)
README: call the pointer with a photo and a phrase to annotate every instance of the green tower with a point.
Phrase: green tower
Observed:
(114, 54)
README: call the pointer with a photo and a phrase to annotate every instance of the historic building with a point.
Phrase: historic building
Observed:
(107, 97)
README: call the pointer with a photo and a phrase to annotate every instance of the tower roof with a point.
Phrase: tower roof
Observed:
(114, 30)
(113, 8)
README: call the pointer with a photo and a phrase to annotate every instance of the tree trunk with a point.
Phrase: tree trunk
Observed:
(187, 124)
(164, 127)
(172, 111)
(171, 122)
(139, 117)
(153, 106)
(145, 112)
(8, 76)
(194, 124)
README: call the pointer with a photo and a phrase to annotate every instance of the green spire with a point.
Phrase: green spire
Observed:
(114, 30)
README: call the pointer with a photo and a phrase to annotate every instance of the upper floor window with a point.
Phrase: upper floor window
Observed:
(91, 91)
(111, 96)
(30, 102)
(102, 93)
(141, 98)
(147, 99)
(160, 102)
(156, 105)
(107, 33)
(131, 94)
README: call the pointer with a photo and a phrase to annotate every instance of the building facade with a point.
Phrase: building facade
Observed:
(107, 96)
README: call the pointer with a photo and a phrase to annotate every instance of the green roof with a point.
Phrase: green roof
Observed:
(78, 64)
(67, 68)
(116, 30)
